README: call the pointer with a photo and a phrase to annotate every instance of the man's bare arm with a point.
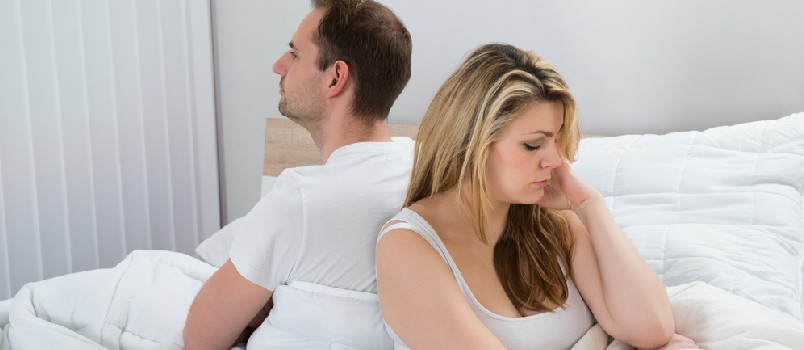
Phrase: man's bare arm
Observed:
(223, 308)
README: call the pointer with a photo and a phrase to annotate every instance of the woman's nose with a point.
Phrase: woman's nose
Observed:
(552, 157)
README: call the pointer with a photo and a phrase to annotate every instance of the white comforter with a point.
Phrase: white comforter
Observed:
(717, 319)
(142, 304)
(139, 304)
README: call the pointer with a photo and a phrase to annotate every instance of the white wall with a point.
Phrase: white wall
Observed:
(249, 36)
(635, 66)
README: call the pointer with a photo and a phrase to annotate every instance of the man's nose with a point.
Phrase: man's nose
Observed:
(279, 66)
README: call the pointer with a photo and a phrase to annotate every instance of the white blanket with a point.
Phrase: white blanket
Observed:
(139, 304)
(143, 301)
(717, 319)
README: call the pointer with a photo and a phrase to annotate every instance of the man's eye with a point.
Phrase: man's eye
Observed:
(292, 54)
(530, 147)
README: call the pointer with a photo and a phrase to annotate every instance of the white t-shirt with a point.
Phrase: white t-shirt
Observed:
(319, 224)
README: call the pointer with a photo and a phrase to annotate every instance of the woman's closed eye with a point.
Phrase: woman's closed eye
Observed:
(531, 147)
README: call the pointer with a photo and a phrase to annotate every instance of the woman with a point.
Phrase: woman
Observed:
(500, 245)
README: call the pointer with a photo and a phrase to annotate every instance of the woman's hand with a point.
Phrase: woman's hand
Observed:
(565, 190)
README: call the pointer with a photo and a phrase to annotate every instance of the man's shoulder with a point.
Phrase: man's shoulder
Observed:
(348, 180)
(356, 161)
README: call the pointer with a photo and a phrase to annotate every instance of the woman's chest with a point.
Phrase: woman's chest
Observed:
(477, 269)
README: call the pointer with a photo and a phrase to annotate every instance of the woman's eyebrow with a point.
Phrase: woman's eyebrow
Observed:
(546, 133)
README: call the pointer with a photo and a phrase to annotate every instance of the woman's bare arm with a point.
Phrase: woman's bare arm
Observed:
(626, 296)
(421, 300)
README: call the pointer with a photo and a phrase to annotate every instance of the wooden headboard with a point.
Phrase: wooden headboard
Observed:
(288, 145)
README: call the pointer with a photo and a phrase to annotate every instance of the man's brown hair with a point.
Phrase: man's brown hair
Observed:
(375, 45)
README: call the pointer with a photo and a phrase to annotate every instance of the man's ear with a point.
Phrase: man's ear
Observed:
(338, 78)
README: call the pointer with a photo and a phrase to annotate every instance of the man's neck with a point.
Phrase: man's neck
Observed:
(335, 132)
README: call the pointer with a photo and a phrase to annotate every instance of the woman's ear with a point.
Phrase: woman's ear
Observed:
(338, 77)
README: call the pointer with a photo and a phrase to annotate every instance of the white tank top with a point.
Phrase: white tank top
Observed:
(559, 329)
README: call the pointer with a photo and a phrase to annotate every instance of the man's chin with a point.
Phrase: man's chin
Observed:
(284, 112)
(292, 117)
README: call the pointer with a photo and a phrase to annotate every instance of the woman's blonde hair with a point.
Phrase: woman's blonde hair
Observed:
(467, 115)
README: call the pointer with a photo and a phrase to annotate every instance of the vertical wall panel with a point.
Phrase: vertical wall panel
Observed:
(202, 97)
(74, 111)
(5, 282)
(107, 133)
(128, 87)
(103, 127)
(149, 28)
(46, 139)
(180, 127)
(16, 152)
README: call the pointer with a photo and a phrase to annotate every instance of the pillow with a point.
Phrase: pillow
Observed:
(268, 183)
(723, 206)
(215, 249)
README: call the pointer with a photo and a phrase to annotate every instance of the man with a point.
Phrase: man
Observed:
(310, 242)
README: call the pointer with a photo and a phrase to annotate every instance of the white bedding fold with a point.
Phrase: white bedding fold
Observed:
(717, 319)
(143, 301)
(139, 304)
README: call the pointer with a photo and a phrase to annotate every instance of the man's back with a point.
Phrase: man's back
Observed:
(313, 238)
(319, 228)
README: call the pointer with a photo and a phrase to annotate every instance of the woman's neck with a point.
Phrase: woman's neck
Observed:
(448, 204)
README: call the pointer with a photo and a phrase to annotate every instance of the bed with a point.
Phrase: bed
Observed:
(718, 214)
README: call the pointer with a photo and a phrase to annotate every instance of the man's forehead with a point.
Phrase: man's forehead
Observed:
(307, 29)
